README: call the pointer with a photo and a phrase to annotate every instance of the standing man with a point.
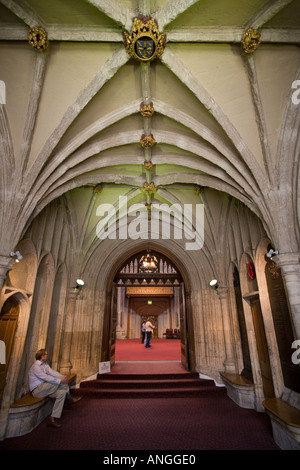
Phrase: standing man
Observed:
(143, 331)
(149, 330)
(46, 382)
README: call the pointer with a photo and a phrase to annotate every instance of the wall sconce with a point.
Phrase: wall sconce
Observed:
(79, 285)
(17, 255)
(272, 253)
(214, 283)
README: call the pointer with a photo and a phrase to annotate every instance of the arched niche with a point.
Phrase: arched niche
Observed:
(256, 331)
(247, 368)
(14, 373)
(278, 321)
(8, 323)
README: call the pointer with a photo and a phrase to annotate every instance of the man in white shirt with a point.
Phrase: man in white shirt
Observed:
(46, 382)
(149, 330)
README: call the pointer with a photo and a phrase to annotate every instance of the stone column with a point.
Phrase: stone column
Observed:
(229, 362)
(66, 365)
(290, 269)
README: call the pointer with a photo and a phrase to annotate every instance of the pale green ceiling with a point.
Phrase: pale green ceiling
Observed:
(218, 112)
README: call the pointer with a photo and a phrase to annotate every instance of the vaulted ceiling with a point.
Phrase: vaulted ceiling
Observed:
(223, 119)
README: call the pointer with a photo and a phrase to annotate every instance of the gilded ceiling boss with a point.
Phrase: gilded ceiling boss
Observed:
(144, 42)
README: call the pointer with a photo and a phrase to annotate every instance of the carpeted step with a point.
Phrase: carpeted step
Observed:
(146, 384)
(173, 376)
(150, 393)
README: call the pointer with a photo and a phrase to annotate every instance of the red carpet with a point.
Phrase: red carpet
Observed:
(161, 350)
(179, 424)
(210, 421)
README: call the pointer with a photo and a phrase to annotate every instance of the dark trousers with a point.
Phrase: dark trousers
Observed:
(148, 339)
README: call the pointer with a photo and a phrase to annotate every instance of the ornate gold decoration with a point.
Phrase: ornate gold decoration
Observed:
(274, 270)
(147, 141)
(38, 39)
(251, 40)
(148, 165)
(144, 42)
(149, 188)
(147, 110)
(98, 189)
(149, 291)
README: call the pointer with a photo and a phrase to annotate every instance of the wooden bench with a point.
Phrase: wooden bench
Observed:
(28, 412)
(239, 389)
(285, 420)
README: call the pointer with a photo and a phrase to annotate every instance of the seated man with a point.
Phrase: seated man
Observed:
(46, 382)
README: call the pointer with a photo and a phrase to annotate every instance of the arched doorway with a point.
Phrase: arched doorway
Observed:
(8, 322)
(158, 280)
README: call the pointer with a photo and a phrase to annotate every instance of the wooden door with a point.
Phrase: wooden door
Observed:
(8, 323)
(262, 348)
